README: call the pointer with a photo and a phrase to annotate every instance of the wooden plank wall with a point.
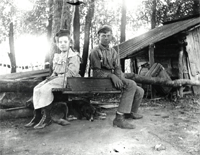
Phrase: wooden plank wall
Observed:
(193, 50)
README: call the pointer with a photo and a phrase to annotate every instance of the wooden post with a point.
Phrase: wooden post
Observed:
(12, 49)
(151, 62)
(180, 69)
(151, 54)
(134, 65)
(122, 62)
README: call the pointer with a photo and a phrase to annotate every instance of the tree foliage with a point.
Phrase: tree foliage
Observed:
(166, 10)
(107, 15)
(33, 21)
(6, 14)
(36, 21)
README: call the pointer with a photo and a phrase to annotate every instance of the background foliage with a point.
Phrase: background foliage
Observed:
(36, 20)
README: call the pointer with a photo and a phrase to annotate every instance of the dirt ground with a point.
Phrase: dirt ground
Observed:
(168, 128)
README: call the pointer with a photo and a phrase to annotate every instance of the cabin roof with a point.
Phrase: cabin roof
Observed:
(134, 45)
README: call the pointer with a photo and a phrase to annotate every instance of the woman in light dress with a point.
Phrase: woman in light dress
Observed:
(65, 64)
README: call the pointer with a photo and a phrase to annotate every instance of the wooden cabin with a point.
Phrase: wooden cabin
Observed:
(175, 45)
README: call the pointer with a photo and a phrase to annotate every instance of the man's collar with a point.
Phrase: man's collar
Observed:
(103, 47)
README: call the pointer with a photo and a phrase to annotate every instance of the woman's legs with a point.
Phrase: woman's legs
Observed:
(42, 101)
(41, 118)
(46, 118)
(36, 118)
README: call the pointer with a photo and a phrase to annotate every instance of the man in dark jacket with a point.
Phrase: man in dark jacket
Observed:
(104, 62)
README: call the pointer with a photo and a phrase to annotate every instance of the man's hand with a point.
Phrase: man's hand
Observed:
(117, 82)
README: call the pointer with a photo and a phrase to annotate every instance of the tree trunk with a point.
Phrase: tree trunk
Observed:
(153, 15)
(12, 49)
(123, 23)
(76, 27)
(123, 31)
(57, 9)
(196, 7)
(88, 23)
(49, 32)
(66, 16)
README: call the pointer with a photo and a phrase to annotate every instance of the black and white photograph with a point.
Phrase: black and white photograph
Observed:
(99, 77)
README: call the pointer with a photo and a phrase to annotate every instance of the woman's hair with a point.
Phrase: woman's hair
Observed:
(61, 33)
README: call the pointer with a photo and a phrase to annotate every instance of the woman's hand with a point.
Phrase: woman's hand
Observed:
(50, 78)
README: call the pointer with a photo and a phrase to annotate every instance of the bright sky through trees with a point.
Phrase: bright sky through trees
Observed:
(130, 4)
(24, 5)
(32, 49)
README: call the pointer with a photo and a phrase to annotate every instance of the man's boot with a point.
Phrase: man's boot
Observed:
(133, 115)
(36, 118)
(120, 122)
(45, 120)
(136, 115)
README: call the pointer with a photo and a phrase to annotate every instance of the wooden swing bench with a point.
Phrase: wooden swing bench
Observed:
(86, 88)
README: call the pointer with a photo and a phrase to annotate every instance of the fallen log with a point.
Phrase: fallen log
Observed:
(18, 85)
(26, 75)
(28, 85)
(161, 81)
(18, 113)
(14, 99)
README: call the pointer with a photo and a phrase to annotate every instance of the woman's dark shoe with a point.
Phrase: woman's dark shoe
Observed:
(35, 120)
(45, 120)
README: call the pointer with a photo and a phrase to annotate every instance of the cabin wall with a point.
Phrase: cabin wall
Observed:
(193, 51)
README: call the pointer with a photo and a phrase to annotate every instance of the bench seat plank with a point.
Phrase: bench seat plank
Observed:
(88, 88)
(88, 85)
(67, 91)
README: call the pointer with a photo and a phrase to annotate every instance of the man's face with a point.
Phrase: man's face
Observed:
(63, 43)
(105, 38)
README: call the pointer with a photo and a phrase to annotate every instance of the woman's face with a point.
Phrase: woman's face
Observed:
(63, 43)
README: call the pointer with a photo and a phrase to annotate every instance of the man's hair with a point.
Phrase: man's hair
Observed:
(104, 29)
